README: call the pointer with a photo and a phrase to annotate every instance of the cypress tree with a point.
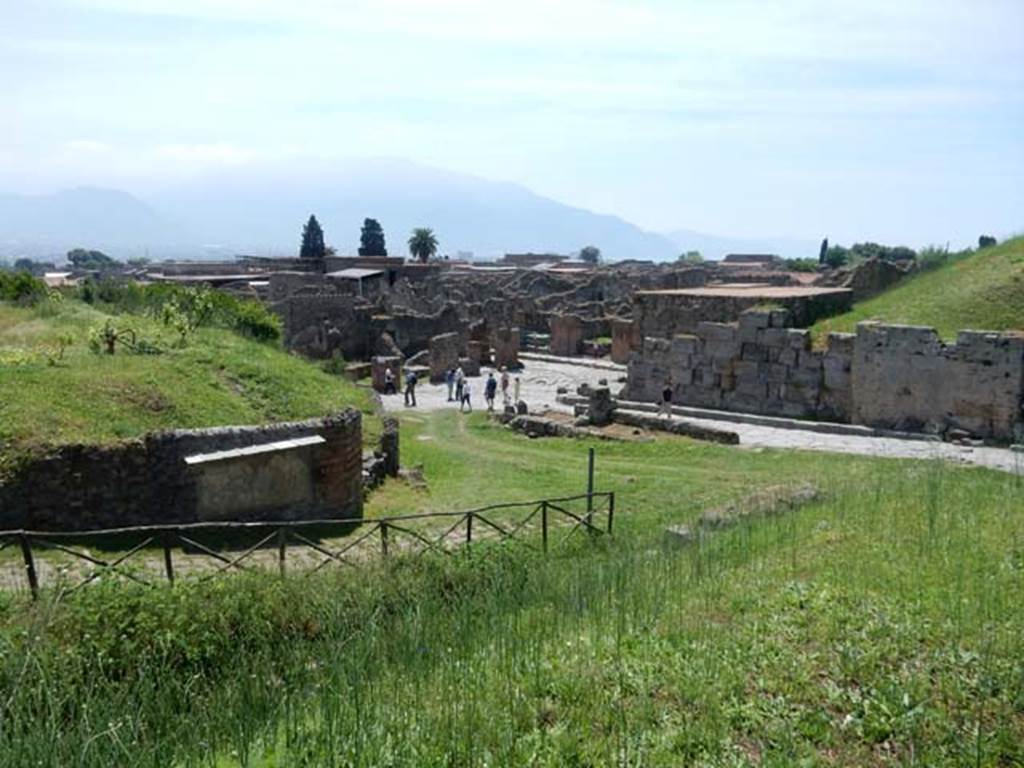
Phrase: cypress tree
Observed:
(371, 239)
(312, 240)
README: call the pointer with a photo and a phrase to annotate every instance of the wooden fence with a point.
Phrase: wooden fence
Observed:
(159, 551)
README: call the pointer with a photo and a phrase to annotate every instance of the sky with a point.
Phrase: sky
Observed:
(889, 120)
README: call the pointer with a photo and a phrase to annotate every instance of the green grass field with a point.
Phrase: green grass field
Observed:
(879, 625)
(984, 291)
(219, 378)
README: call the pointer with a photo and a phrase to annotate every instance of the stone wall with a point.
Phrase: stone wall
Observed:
(626, 340)
(566, 335)
(317, 326)
(756, 365)
(666, 313)
(893, 377)
(506, 347)
(147, 482)
(444, 355)
(906, 377)
(378, 368)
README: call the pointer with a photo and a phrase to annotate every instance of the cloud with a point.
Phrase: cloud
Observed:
(206, 155)
(87, 146)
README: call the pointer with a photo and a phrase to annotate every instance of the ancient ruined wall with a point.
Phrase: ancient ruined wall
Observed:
(893, 377)
(412, 332)
(317, 326)
(756, 365)
(506, 347)
(666, 314)
(626, 340)
(147, 482)
(566, 335)
(904, 377)
(285, 284)
(445, 350)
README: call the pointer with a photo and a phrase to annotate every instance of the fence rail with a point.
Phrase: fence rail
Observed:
(243, 546)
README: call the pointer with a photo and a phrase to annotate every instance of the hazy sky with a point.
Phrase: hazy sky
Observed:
(896, 120)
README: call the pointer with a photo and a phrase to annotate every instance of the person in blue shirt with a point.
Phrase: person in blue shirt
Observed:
(490, 390)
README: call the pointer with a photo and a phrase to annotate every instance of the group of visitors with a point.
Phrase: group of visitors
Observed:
(459, 386)
(459, 389)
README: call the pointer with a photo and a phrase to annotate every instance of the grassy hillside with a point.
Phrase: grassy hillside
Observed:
(218, 378)
(984, 291)
(880, 625)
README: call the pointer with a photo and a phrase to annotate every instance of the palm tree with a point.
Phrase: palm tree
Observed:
(422, 243)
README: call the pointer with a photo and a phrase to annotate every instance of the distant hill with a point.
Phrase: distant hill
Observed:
(716, 248)
(262, 211)
(984, 291)
(43, 225)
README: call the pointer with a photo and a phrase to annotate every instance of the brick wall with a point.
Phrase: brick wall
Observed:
(146, 481)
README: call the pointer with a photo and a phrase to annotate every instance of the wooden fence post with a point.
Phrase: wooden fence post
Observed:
(590, 489)
(469, 528)
(611, 510)
(384, 538)
(544, 525)
(282, 544)
(30, 565)
(167, 540)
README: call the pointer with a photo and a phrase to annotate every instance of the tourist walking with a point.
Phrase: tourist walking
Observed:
(490, 390)
(449, 379)
(389, 382)
(460, 379)
(504, 385)
(464, 392)
(666, 401)
(410, 389)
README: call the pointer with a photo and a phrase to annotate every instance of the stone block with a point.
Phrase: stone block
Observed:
(774, 337)
(506, 348)
(716, 332)
(798, 339)
(753, 351)
(444, 355)
(600, 407)
(755, 319)
(380, 365)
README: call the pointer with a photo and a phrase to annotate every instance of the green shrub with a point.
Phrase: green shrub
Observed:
(802, 265)
(253, 319)
(21, 287)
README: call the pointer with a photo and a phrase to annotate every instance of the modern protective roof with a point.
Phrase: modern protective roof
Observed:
(355, 273)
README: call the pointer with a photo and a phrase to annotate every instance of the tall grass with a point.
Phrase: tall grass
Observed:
(880, 625)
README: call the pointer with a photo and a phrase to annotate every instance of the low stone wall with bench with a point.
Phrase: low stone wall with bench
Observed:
(285, 471)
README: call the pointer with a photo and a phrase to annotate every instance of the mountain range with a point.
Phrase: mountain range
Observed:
(261, 211)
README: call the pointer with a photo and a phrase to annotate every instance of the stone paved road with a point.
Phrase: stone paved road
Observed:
(755, 436)
(541, 378)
